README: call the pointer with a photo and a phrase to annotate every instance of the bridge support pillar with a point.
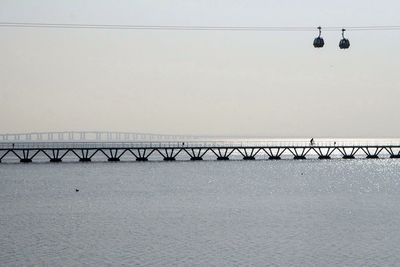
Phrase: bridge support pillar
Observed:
(299, 152)
(141, 154)
(222, 153)
(25, 155)
(348, 152)
(324, 152)
(393, 152)
(195, 153)
(55, 155)
(274, 153)
(248, 153)
(113, 154)
(169, 154)
(274, 157)
(85, 154)
(372, 152)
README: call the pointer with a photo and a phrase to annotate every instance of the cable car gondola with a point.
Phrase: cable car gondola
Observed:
(319, 41)
(344, 43)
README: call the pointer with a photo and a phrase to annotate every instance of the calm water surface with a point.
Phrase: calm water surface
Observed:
(237, 213)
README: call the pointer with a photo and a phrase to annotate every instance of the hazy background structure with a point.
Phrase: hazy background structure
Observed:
(200, 82)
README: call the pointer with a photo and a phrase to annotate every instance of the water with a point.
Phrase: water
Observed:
(237, 213)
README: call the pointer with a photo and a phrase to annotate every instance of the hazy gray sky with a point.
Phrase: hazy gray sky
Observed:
(224, 83)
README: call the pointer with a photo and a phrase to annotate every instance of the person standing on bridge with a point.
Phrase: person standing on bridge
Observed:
(312, 142)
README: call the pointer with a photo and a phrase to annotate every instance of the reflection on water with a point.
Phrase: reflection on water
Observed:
(201, 214)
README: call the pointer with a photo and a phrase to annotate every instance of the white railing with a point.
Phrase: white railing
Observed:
(90, 136)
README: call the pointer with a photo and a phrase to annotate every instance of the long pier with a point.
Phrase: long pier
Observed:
(26, 152)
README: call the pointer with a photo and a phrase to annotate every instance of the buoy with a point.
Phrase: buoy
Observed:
(319, 41)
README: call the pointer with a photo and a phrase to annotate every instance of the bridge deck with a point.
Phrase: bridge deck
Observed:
(171, 151)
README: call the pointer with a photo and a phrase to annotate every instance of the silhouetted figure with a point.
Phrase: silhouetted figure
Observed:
(334, 143)
(319, 41)
(312, 142)
(76, 190)
(13, 145)
(344, 43)
(183, 144)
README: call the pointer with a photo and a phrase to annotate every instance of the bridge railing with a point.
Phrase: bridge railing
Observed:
(91, 136)
(191, 144)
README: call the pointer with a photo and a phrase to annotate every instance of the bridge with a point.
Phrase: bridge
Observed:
(26, 152)
(92, 136)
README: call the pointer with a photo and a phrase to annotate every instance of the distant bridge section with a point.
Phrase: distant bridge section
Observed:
(93, 136)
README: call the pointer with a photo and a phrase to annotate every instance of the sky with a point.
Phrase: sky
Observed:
(271, 84)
